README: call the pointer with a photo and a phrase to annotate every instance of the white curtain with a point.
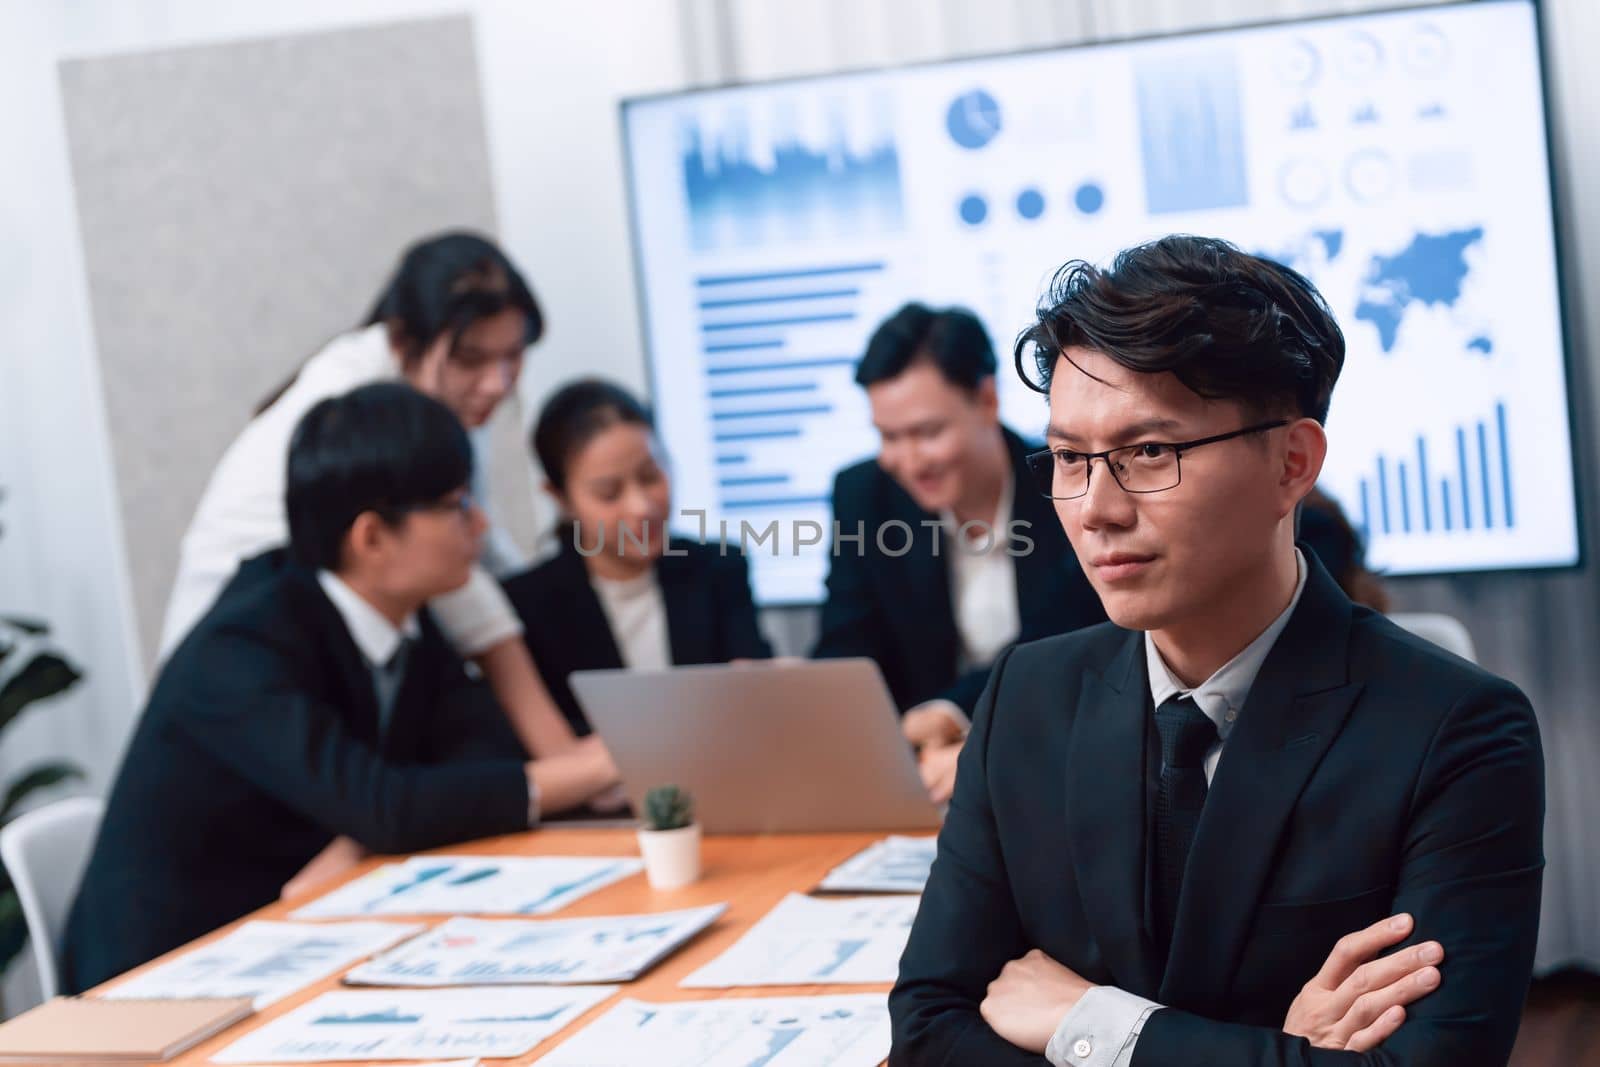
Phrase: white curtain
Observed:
(1538, 630)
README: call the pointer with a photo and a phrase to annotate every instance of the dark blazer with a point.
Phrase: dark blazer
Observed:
(259, 746)
(897, 609)
(710, 615)
(1369, 773)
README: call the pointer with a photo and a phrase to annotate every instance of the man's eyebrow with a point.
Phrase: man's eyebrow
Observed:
(1128, 433)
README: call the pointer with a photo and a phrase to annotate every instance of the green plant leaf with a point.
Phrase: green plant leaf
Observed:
(45, 676)
(41, 777)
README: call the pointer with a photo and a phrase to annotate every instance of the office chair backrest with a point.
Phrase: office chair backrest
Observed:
(45, 852)
(1446, 631)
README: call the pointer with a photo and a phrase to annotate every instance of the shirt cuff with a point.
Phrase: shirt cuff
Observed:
(952, 711)
(1100, 1030)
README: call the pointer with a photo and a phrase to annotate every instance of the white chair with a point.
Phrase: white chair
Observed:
(45, 852)
(1446, 631)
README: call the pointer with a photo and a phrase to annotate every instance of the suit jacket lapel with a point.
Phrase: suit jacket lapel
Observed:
(1294, 711)
(585, 626)
(691, 621)
(354, 677)
(1105, 814)
(1039, 572)
(924, 580)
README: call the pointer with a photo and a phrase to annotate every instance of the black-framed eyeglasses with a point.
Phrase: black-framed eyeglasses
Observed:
(1148, 467)
(463, 503)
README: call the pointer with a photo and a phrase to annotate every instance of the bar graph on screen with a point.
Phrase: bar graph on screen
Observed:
(772, 350)
(1466, 486)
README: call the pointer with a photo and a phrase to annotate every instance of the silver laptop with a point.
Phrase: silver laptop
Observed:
(763, 747)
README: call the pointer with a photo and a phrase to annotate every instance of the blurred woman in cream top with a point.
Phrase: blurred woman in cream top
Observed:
(453, 321)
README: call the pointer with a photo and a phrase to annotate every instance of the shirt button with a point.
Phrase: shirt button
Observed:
(1230, 716)
(1082, 1048)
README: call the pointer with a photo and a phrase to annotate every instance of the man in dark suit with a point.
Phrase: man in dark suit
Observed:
(957, 555)
(316, 699)
(1187, 837)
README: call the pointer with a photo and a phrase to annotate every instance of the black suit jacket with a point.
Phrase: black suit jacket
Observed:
(711, 617)
(1369, 773)
(897, 609)
(259, 745)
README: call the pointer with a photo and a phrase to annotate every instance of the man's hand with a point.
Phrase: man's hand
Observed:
(931, 724)
(1357, 1001)
(938, 768)
(341, 854)
(1027, 1002)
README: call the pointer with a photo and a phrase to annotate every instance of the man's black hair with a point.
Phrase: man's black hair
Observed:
(384, 448)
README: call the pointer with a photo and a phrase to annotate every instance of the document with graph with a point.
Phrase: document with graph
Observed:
(897, 864)
(264, 960)
(805, 941)
(415, 1024)
(617, 948)
(833, 1031)
(472, 885)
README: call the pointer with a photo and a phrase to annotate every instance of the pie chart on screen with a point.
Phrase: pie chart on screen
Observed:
(973, 119)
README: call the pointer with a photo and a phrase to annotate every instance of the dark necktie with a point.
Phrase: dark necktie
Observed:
(1186, 736)
(386, 680)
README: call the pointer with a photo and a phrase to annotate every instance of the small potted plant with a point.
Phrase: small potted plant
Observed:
(669, 840)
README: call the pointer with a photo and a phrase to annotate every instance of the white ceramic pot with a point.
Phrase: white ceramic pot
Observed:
(671, 857)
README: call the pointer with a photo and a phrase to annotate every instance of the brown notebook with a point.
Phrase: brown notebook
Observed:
(89, 1030)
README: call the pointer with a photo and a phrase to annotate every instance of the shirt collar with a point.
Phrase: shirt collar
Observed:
(998, 527)
(1222, 695)
(375, 636)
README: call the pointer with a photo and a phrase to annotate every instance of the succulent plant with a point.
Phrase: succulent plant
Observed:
(667, 807)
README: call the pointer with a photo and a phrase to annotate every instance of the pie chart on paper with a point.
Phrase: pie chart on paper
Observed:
(973, 119)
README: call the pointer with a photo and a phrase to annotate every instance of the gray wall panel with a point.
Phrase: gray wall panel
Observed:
(240, 204)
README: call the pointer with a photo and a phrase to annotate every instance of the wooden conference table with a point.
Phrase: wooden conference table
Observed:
(749, 874)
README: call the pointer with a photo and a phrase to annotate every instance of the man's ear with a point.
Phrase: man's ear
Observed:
(365, 539)
(1305, 449)
(987, 397)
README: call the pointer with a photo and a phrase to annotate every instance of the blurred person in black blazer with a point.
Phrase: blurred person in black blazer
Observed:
(316, 708)
(1246, 822)
(959, 557)
(620, 591)
(1327, 531)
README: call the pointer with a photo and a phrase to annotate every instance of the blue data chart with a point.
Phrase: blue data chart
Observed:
(749, 181)
(1191, 130)
(973, 119)
(1462, 484)
(1397, 159)
(764, 383)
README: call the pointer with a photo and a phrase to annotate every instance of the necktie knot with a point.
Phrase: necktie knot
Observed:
(1186, 733)
(396, 663)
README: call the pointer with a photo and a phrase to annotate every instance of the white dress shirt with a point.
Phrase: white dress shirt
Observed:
(638, 616)
(983, 585)
(1103, 1027)
(983, 593)
(242, 511)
